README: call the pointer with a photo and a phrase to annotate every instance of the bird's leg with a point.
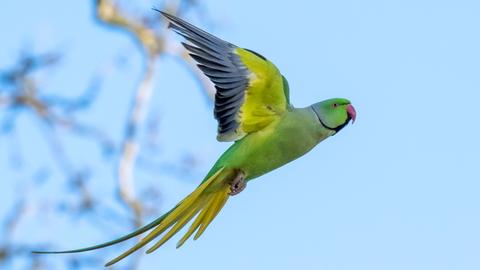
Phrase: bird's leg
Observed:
(238, 183)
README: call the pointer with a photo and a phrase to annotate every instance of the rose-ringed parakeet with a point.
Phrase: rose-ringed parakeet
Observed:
(252, 108)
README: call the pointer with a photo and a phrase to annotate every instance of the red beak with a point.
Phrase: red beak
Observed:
(351, 112)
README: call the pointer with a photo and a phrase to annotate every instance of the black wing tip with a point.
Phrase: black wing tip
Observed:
(160, 11)
(171, 18)
(165, 14)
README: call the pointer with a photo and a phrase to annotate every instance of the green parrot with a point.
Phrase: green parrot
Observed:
(253, 109)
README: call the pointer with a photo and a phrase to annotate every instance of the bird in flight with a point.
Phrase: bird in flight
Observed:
(253, 110)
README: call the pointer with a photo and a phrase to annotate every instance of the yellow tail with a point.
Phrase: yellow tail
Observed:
(204, 202)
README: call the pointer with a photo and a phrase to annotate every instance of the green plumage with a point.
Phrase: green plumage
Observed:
(293, 135)
(252, 107)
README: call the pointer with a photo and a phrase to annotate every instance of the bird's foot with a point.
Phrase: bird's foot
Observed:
(238, 184)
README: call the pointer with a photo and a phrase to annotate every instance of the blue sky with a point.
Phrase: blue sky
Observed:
(397, 190)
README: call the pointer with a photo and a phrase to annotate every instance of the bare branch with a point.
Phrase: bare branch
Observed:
(131, 146)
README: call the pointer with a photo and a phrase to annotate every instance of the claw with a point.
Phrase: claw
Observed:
(238, 184)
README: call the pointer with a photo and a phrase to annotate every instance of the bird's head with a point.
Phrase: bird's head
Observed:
(334, 114)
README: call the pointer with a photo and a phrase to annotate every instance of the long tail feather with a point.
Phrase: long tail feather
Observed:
(193, 227)
(137, 232)
(204, 202)
(178, 225)
(214, 208)
(207, 198)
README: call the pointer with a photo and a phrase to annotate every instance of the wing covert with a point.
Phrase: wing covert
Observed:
(250, 90)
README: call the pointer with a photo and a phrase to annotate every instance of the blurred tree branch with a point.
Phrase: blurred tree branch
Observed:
(152, 43)
(22, 93)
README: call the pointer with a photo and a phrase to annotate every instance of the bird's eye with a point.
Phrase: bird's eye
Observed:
(335, 105)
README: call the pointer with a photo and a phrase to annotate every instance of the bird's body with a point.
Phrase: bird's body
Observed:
(253, 109)
(288, 138)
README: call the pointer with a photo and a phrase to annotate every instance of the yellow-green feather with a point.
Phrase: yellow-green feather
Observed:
(265, 99)
(203, 199)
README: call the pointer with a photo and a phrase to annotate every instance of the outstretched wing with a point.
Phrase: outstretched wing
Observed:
(251, 92)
